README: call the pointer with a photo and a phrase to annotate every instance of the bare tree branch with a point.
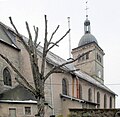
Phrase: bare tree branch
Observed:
(54, 44)
(38, 44)
(53, 35)
(44, 49)
(58, 40)
(20, 75)
(30, 43)
(59, 71)
(33, 58)
(36, 35)
(18, 34)
(64, 71)
(53, 70)
(13, 25)
(25, 86)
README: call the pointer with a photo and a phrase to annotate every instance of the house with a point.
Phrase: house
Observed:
(79, 89)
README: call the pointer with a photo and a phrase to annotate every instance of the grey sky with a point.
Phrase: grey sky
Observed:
(105, 26)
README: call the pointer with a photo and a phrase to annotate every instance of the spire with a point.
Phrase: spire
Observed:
(87, 37)
(87, 22)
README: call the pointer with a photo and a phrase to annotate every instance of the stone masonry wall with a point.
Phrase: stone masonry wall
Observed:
(94, 113)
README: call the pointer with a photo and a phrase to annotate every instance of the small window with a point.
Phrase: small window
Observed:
(83, 58)
(64, 87)
(12, 112)
(87, 56)
(27, 110)
(105, 101)
(110, 102)
(98, 99)
(7, 77)
(99, 58)
(89, 94)
(80, 91)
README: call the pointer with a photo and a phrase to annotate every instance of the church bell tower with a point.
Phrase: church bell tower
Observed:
(92, 62)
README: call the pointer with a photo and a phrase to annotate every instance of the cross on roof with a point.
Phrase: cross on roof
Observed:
(86, 9)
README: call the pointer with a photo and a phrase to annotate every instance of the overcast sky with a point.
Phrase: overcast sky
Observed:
(105, 26)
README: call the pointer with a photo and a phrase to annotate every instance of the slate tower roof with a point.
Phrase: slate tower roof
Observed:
(87, 37)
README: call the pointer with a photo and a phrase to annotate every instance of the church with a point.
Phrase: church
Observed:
(78, 89)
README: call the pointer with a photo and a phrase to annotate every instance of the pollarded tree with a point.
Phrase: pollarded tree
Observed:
(39, 76)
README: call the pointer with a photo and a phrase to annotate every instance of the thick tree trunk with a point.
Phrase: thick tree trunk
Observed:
(41, 100)
(40, 106)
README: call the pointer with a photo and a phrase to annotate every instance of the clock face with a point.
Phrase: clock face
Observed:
(99, 74)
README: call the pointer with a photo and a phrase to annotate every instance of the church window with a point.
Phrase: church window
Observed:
(89, 94)
(77, 88)
(64, 87)
(7, 77)
(73, 87)
(110, 102)
(105, 101)
(99, 58)
(98, 99)
(84, 57)
(27, 110)
(80, 91)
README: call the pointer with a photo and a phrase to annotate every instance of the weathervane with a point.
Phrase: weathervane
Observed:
(86, 9)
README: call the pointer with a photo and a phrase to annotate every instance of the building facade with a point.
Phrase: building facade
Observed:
(79, 89)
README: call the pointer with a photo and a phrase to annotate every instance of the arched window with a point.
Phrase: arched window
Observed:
(64, 87)
(110, 102)
(7, 77)
(105, 101)
(89, 94)
(98, 99)
(80, 91)
(77, 88)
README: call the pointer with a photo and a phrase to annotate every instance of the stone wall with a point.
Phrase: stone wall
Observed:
(94, 113)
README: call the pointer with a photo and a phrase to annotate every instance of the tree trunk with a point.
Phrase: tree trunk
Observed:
(40, 106)
(41, 100)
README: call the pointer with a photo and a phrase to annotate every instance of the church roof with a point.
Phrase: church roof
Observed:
(56, 60)
(17, 93)
(7, 37)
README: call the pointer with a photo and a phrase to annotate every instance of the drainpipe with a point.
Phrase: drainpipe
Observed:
(52, 95)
